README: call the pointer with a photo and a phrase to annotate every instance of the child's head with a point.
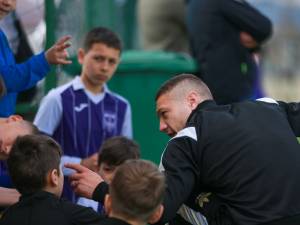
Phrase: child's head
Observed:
(10, 128)
(136, 192)
(114, 152)
(99, 57)
(6, 6)
(34, 165)
(102, 35)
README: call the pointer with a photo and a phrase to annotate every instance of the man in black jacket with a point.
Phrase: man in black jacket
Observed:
(236, 164)
(224, 34)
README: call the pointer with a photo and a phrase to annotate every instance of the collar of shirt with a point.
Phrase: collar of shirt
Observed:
(96, 98)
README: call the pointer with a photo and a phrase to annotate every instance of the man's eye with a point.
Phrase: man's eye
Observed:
(164, 114)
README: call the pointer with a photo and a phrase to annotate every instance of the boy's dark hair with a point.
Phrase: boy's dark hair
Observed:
(137, 190)
(30, 160)
(117, 150)
(104, 36)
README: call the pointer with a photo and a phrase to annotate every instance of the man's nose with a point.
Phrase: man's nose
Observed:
(162, 126)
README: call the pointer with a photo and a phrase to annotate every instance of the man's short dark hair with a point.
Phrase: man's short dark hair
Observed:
(189, 80)
(117, 150)
(102, 35)
(30, 160)
(137, 190)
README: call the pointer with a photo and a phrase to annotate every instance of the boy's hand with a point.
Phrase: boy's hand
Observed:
(83, 181)
(58, 54)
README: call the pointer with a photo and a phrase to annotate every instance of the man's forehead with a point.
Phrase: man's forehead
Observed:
(163, 103)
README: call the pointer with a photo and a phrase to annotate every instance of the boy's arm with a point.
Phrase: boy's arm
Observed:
(49, 113)
(247, 19)
(18, 77)
(127, 125)
(9, 196)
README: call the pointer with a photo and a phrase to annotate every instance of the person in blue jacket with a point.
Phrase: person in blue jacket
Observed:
(19, 77)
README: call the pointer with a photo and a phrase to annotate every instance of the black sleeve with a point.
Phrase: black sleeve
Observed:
(247, 18)
(181, 173)
(292, 111)
(81, 215)
(100, 192)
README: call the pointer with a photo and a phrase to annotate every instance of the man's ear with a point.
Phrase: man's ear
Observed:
(53, 178)
(80, 55)
(156, 214)
(107, 204)
(193, 99)
(14, 118)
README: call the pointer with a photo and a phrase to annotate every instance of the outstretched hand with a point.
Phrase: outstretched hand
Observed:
(83, 181)
(58, 54)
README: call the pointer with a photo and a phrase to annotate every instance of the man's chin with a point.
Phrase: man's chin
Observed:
(171, 134)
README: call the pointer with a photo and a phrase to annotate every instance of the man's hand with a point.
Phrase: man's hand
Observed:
(8, 196)
(91, 162)
(83, 181)
(58, 54)
(247, 40)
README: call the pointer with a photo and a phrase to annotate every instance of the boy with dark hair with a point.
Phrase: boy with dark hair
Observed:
(83, 113)
(114, 152)
(34, 166)
(135, 194)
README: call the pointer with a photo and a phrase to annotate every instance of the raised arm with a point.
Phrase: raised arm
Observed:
(247, 19)
(18, 77)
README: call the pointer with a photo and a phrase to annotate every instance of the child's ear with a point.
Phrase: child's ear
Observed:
(80, 55)
(156, 214)
(107, 204)
(53, 178)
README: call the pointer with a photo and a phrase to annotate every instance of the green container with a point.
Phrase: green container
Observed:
(138, 78)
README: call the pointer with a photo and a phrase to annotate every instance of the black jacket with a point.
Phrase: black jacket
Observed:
(44, 208)
(227, 67)
(113, 221)
(244, 157)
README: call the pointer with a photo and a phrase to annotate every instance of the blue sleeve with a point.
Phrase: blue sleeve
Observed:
(19, 77)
